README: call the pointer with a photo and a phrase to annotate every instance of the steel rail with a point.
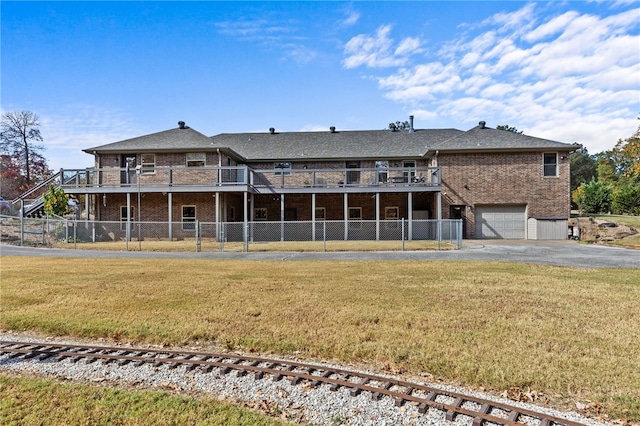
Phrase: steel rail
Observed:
(296, 372)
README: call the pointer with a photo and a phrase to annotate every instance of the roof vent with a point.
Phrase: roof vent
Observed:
(272, 130)
(332, 129)
(411, 123)
(392, 127)
(181, 125)
(482, 124)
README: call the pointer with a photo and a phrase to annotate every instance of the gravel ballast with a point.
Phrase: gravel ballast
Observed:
(300, 403)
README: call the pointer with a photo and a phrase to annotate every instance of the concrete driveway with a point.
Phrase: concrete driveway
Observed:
(562, 253)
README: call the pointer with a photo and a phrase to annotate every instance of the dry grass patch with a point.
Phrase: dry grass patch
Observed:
(570, 333)
(31, 401)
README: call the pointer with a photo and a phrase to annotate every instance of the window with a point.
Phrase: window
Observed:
(196, 159)
(353, 176)
(355, 217)
(382, 169)
(391, 215)
(148, 163)
(260, 213)
(321, 213)
(550, 164)
(123, 217)
(282, 169)
(409, 175)
(189, 218)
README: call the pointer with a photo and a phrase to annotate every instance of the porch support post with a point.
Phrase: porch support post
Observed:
(170, 214)
(251, 214)
(87, 204)
(245, 226)
(128, 233)
(439, 216)
(217, 210)
(377, 216)
(313, 216)
(346, 216)
(282, 217)
(410, 215)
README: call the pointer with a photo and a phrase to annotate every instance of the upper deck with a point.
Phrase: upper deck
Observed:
(243, 178)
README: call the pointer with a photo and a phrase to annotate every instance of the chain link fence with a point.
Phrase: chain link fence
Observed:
(197, 236)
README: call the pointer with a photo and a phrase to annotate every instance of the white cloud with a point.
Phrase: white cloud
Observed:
(570, 76)
(279, 36)
(552, 27)
(91, 126)
(351, 19)
(376, 51)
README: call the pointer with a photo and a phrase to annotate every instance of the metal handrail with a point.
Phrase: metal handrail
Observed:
(35, 188)
(264, 178)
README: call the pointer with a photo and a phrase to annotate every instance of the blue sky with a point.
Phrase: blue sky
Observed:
(100, 72)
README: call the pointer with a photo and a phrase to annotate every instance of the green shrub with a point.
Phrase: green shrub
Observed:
(56, 202)
(626, 200)
(594, 197)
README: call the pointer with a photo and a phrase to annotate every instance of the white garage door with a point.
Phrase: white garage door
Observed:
(500, 222)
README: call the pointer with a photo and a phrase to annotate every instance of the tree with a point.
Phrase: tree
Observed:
(626, 200)
(627, 152)
(56, 202)
(19, 134)
(593, 197)
(508, 128)
(583, 167)
(623, 161)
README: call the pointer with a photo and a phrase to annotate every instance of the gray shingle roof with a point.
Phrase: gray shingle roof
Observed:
(485, 138)
(358, 144)
(178, 139)
(328, 145)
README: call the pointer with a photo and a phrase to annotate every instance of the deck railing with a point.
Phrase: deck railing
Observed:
(246, 176)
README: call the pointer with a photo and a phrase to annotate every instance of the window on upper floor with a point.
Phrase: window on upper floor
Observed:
(148, 162)
(282, 169)
(382, 170)
(550, 164)
(196, 159)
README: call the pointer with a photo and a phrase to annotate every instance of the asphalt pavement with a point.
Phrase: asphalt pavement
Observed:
(561, 253)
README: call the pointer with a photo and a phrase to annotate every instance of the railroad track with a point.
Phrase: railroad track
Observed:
(479, 411)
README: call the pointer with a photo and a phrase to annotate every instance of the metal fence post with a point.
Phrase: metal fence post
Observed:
(197, 224)
(245, 236)
(220, 232)
(75, 234)
(21, 221)
(324, 235)
(402, 230)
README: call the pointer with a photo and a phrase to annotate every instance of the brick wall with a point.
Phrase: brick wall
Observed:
(504, 178)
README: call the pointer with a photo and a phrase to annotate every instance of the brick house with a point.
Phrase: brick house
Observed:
(502, 184)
